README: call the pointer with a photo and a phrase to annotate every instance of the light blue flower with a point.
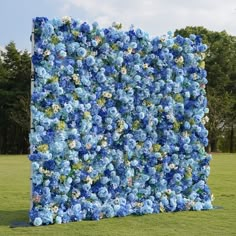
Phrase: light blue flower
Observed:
(104, 180)
(62, 54)
(108, 211)
(197, 206)
(46, 216)
(37, 221)
(141, 115)
(94, 43)
(90, 60)
(58, 220)
(113, 112)
(70, 70)
(139, 33)
(103, 193)
(48, 30)
(41, 72)
(37, 179)
(57, 147)
(35, 166)
(81, 52)
(101, 77)
(60, 47)
(119, 61)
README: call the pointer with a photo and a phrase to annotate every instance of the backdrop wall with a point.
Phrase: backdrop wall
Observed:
(118, 122)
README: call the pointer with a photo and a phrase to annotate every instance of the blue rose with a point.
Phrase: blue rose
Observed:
(139, 33)
(41, 72)
(70, 70)
(94, 43)
(81, 52)
(37, 179)
(103, 193)
(60, 47)
(48, 30)
(90, 60)
(113, 112)
(108, 211)
(37, 221)
(119, 61)
(62, 54)
(197, 206)
(85, 28)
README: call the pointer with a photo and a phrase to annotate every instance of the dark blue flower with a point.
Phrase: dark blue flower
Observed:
(49, 165)
(85, 28)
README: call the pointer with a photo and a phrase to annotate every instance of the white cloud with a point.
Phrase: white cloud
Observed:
(156, 16)
(65, 9)
(2, 49)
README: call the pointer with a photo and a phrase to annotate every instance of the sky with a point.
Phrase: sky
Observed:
(156, 17)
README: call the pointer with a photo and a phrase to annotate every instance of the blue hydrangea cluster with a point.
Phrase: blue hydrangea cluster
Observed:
(118, 123)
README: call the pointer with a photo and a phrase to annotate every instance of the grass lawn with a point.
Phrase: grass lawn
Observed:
(14, 205)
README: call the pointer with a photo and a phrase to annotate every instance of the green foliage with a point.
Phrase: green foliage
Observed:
(221, 89)
(14, 205)
(14, 100)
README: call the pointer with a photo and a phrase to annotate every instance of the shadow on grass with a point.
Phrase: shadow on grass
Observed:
(13, 219)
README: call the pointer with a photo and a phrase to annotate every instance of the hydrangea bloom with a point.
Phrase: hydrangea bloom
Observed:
(118, 123)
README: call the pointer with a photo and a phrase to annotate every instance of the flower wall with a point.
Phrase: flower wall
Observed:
(117, 123)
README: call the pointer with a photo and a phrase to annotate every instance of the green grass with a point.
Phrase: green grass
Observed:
(14, 204)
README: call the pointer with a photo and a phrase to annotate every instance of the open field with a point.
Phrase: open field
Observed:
(14, 204)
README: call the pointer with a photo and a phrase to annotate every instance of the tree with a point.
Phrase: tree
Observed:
(14, 100)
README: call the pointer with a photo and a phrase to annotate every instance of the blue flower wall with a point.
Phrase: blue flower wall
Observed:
(118, 123)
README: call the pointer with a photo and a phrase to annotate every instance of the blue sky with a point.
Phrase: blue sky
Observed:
(154, 16)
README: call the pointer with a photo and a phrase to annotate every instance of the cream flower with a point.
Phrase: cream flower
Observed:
(106, 94)
(55, 108)
(129, 50)
(123, 71)
(104, 143)
(47, 53)
(66, 19)
(72, 144)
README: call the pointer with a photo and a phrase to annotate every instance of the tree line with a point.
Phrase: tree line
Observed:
(14, 100)
(15, 70)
